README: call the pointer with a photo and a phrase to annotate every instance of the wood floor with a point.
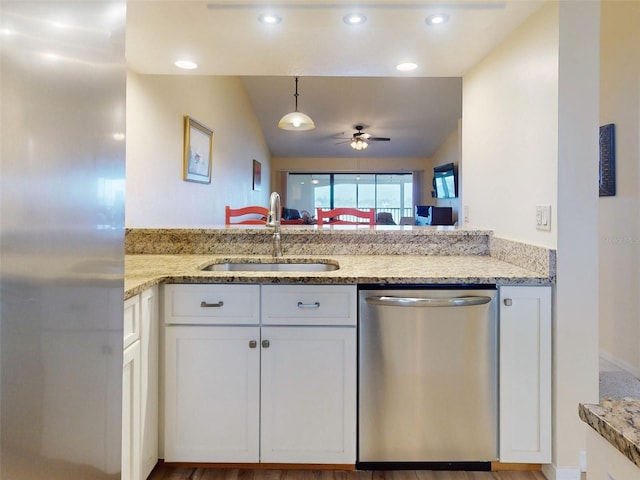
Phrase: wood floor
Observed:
(165, 472)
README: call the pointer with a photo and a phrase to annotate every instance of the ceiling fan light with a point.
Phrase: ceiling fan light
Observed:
(296, 121)
(359, 144)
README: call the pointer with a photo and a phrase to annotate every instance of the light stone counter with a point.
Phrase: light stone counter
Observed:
(143, 271)
(618, 422)
(378, 255)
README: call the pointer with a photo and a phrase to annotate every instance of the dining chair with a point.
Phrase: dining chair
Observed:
(230, 213)
(332, 217)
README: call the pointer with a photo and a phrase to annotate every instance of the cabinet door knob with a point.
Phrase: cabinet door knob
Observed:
(265, 343)
(253, 344)
(508, 302)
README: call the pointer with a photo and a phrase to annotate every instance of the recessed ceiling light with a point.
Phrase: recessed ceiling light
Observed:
(269, 19)
(354, 19)
(119, 136)
(406, 67)
(186, 64)
(52, 57)
(437, 19)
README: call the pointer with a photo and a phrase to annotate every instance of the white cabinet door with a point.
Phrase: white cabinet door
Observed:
(308, 395)
(149, 326)
(212, 394)
(525, 374)
(131, 413)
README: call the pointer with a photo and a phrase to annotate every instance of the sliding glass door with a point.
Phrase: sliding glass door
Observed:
(386, 192)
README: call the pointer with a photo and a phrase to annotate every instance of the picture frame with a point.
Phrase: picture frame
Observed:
(607, 173)
(257, 175)
(198, 151)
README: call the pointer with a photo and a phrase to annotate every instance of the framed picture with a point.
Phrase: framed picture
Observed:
(607, 174)
(198, 151)
(257, 175)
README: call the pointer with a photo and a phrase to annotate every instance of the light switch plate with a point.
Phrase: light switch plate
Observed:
(543, 217)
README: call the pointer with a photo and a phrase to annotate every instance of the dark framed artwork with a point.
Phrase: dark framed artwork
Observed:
(607, 160)
(257, 175)
(198, 151)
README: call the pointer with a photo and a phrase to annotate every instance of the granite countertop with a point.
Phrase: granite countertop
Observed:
(618, 422)
(143, 271)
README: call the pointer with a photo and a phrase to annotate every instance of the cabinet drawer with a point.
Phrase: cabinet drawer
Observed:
(309, 305)
(131, 326)
(212, 304)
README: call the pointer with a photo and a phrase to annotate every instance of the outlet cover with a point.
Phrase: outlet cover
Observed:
(543, 217)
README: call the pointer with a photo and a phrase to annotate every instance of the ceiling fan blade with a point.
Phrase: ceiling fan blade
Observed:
(378, 139)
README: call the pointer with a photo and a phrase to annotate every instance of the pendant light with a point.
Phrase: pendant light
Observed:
(296, 120)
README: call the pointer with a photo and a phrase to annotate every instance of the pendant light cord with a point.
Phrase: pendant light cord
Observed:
(296, 94)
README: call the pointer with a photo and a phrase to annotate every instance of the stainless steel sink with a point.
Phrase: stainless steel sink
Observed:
(280, 265)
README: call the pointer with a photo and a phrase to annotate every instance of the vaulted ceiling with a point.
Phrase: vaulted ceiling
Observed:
(347, 72)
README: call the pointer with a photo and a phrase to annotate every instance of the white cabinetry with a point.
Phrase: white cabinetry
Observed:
(212, 394)
(131, 391)
(140, 386)
(525, 374)
(212, 373)
(149, 373)
(606, 462)
(308, 374)
(283, 392)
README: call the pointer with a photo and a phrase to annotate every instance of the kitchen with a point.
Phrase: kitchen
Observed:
(570, 353)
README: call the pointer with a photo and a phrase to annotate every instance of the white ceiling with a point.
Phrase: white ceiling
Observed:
(417, 113)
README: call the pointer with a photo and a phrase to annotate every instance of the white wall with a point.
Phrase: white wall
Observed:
(619, 216)
(510, 140)
(156, 194)
(530, 123)
(575, 327)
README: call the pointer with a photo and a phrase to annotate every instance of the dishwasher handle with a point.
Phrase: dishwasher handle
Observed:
(465, 301)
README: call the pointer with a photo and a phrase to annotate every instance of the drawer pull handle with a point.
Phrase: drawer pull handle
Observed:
(211, 305)
(508, 302)
(309, 305)
(265, 344)
(253, 344)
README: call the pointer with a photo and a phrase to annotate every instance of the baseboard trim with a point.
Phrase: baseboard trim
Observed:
(515, 467)
(621, 364)
(554, 473)
(495, 466)
(263, 466)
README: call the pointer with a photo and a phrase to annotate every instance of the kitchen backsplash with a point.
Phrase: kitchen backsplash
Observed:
(252, 240)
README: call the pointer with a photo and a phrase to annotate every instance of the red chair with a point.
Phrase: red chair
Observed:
(332, 217)
(250, 210)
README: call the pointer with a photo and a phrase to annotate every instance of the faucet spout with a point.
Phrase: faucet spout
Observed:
(273, 221)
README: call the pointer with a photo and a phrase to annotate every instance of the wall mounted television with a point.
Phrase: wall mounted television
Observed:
(445, 181)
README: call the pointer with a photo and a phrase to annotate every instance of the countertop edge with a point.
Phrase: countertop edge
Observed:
(454, 271)
(595, 416)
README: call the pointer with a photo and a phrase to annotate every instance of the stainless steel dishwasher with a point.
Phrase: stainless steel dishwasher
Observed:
(427, 378)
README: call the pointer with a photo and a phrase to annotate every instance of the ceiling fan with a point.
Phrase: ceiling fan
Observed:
(360, 140)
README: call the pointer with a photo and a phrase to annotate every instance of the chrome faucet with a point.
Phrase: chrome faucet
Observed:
(273, 220)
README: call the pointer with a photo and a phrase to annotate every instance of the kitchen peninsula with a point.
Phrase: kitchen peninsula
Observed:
(266, 328)
(381, 254)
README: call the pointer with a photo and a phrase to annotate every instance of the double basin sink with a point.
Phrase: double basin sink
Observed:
(272, 265)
